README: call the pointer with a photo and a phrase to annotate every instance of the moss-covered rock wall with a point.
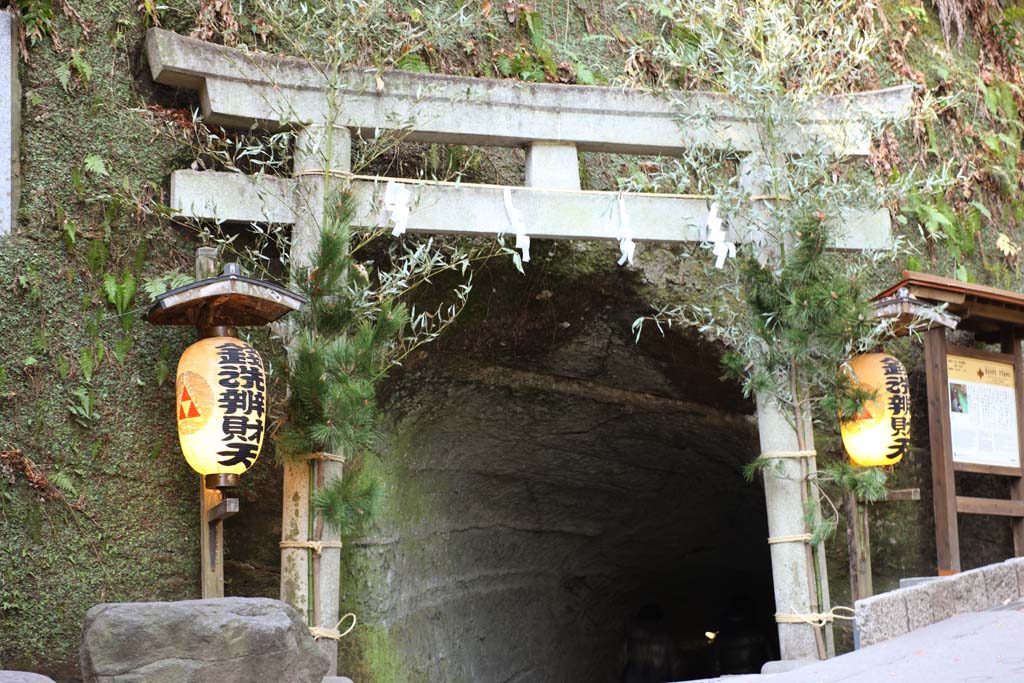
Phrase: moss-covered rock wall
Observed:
(95, 503)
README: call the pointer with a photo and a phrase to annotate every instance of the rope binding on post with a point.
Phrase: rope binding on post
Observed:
(775, 455)
(817, 619)
(795, 538)
(332, 457)
(316, 546)
(333, 633)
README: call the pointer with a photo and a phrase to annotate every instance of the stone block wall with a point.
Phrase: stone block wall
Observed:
(891, 614)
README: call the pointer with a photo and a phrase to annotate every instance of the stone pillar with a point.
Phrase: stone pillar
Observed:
(318, 150)
(554, 165)
(793, 566)
(10, 122)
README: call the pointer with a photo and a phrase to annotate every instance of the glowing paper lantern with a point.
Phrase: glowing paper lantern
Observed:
(221, 405)
(880, 433)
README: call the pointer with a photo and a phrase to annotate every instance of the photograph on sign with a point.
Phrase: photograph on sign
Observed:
(983, 412)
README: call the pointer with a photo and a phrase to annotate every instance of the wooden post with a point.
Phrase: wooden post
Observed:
(211, 534)
(947, 539)
(1010, 344)
(858, 540)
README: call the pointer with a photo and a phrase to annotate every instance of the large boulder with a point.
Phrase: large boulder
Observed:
(228, 640)
(23, 677)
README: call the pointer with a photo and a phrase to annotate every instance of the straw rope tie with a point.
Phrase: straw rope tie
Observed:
(333, 633)
(817, 619)
(778, 455)
(316, 546)
(332, 457)
(795, 538)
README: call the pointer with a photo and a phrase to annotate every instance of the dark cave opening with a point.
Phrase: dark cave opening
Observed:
(567, 510)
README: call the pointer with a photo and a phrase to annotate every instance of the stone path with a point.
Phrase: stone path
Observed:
(974, 647)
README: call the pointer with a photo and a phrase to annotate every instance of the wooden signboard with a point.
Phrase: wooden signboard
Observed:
(974, 414)
(975, 397)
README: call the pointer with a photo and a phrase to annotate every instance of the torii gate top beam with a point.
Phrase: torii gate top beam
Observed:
(239, 88)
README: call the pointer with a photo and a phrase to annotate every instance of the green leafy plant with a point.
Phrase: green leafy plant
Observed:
(345, 346)
(62, 480)
(350, 503)
(96, 256)
(83, 411)
(37, 19)
(162, 368)
(120, 294)
(76, 68)
(87, 362)
(121, 348)
(95, 166)
(31, 282)
(155, 286)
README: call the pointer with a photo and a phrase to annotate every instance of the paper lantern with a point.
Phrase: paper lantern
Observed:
(880, 433)
(221, 405)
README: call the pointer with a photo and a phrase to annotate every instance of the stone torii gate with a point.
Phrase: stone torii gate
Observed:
(553, 123)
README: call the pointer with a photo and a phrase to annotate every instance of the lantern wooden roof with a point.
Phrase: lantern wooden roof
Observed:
(986, 311)
(230, 299)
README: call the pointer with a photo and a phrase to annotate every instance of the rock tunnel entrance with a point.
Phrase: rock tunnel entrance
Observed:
(560, 510)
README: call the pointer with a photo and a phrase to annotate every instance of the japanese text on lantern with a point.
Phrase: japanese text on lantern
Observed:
(242, 399)
(898, 388)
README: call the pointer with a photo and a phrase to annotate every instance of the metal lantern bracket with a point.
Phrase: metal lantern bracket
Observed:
(216, 306)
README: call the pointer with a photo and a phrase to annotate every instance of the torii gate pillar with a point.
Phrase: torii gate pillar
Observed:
(319, 151)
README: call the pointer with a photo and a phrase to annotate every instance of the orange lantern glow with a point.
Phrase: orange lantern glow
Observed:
(880, 433)
(221, 406)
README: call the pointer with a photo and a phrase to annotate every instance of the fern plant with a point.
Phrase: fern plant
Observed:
(120, 294)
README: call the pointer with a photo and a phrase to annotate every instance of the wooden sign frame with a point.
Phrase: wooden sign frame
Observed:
(947, 504)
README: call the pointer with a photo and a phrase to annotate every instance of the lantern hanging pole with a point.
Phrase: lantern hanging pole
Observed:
(212, 504)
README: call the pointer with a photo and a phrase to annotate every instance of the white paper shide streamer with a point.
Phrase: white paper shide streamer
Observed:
(716, 235)
(626, 244)
(395, 207)
(515, 220)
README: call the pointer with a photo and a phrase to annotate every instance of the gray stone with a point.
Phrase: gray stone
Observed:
(228, 640)
(929, 602)
(237, 89)
(552, 165)
(480, 210)
(10, 121)
(1018, 565)
(23, 677)
(337, 679)
(881, 617)
(1000, 584)
(969, 591)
